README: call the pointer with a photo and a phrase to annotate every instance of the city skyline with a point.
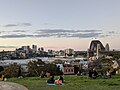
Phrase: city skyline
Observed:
(59, 24)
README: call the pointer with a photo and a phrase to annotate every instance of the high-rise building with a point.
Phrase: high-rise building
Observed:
(26, 48)
(50, 52)
(69, 51)
(41, 50)
(34, 48)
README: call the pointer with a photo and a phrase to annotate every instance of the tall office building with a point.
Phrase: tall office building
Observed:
(69, 51)
(26, 48)
(34, 48)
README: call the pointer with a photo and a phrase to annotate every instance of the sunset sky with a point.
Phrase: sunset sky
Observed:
(59, 24)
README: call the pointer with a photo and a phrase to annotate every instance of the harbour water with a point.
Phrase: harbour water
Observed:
(25, 61)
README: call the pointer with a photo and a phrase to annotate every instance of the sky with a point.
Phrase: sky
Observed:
(59, 24)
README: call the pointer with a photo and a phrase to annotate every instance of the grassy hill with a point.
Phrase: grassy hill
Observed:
(71, 83)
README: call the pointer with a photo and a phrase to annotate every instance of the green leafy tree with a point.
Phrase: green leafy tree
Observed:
(58, 61)
(101, 65)
(1, 68)
(36, 67)
(53, 69)
(106, 65)
(13, 70)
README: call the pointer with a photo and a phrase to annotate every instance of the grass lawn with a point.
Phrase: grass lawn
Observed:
(71, 83)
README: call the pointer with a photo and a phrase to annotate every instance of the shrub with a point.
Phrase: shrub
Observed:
(13, 70)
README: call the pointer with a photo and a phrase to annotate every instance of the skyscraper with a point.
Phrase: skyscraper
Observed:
(34, 48)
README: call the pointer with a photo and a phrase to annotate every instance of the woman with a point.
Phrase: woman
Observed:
(59, 81)
(61, 78)
(51, 80)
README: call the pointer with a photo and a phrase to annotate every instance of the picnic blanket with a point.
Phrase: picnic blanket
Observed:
(54, 84)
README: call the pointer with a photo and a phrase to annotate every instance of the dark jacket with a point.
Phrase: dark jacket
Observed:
(51, 80)
(61, 78)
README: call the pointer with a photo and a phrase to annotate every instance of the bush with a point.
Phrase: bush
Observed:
(35, 67)
(13, 70)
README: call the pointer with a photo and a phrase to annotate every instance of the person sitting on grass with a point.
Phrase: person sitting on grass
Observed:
(59, 81)
(51, 80)
(95, 74)
(90, 73)
(61, 78)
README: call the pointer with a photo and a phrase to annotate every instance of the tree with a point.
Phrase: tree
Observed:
(102, 65)
(12, 70)
(107, 64)
(1, 68)
(36, 67)
(58, 61)
(116, 57)
(53, 69)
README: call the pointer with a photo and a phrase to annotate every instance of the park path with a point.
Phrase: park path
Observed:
(11, 86)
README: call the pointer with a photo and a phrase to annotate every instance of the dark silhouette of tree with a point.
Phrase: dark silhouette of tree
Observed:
(11, 71)
(102, 65)
(1, 68)
(36, 67)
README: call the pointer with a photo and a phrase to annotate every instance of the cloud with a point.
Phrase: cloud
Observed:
(47, 24)
(15, 36)
(18, 24)
(111, 32)
(90, 31)
(102, 36)
(25, 24)
(69, 33)
(58, 33)
(54, 31)
(8, 46)
(19, 31)
(10, 25)
(87, 35)
(63, 30)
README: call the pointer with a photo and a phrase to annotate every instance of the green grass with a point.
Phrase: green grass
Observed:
(71, 83)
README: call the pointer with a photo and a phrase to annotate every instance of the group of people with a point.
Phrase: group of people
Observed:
(59, 81)
(51, 79)
(44, 74)
(94, 74)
